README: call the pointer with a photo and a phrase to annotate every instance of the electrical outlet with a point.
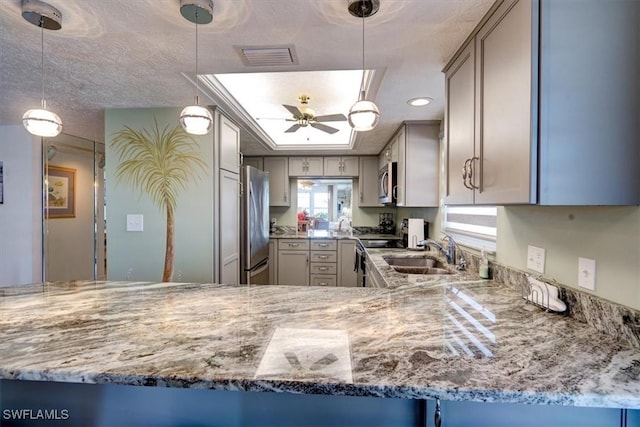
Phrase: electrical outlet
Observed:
(535, 258)
(135, 222)
(587, 273)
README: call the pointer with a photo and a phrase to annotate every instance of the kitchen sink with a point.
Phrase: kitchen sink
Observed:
(416, 265)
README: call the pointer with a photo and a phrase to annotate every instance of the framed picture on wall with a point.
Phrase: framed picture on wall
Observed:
(61, 192)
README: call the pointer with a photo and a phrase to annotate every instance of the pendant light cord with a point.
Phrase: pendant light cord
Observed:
(197, 88)
(361, 95)
(44, 105)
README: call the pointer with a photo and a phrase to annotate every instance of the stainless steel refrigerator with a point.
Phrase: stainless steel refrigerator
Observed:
(255, 226)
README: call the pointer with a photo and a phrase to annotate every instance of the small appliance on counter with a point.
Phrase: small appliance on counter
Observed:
(386, 224)
(414, 230)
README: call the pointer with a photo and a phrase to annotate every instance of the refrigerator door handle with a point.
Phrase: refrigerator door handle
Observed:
(259, 268)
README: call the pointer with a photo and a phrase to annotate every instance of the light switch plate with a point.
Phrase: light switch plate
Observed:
(135, 222)
(535, 258)
(587, 273)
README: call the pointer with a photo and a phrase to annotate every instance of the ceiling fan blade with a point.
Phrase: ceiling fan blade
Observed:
(293, 110)
(324, 128)
(331, 118)
(293, 128)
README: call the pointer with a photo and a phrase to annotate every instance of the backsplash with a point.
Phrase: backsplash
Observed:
(608, 317)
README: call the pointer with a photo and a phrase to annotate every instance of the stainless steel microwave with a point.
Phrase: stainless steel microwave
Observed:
(388, 182)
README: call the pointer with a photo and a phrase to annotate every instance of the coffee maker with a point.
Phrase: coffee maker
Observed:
(386, 224)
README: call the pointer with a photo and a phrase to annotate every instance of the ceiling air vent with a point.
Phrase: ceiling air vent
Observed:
(260, 56)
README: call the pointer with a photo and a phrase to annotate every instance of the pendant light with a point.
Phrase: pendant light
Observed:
(195, 119)
(363, 115)
(40, 121)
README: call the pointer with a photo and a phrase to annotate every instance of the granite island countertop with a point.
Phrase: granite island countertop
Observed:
(456, 339)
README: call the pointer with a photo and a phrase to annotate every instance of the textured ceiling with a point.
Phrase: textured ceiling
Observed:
(136, 53)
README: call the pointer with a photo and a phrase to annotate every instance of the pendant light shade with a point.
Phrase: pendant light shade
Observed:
(195, 119)
(40, 121)
(363, 115)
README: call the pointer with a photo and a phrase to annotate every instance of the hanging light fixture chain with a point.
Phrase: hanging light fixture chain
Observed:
(363, 7)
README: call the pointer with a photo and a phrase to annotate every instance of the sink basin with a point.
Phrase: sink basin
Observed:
(416, 265)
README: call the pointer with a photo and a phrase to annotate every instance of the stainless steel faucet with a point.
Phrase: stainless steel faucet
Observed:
(449, 252)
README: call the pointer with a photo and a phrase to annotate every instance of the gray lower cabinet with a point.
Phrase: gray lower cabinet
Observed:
(323, 263)
(347, 275)
(273, 262)
(293, 262)
(480, 414)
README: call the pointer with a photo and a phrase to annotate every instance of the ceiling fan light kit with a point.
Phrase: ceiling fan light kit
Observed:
(363, 115)
(194, 119)
(40, 121)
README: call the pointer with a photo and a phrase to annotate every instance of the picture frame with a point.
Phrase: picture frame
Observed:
(61, 192)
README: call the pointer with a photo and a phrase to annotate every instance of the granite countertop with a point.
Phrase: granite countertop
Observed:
(456, 338)
(325, 234)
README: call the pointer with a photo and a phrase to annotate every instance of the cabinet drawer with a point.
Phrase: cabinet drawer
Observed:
(294, 244)
(324, 256)
(323, 280)
(323, 268)
(323, 245)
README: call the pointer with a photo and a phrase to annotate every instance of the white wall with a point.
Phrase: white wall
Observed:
(21, 212)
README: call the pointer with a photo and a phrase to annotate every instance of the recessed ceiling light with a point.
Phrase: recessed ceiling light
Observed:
(419, 102)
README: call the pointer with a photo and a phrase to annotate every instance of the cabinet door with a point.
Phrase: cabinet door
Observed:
(278, 168)
(368, 182)
(315, 166)
(256, 162)
(297, 166)
(401, 142)
(229, 144)
(350, 166)
(459, 125)
(293, 268)
(347, 275)
(229, 243)
(422, 160)
(332, 166)
(273, 262)
(504, 133)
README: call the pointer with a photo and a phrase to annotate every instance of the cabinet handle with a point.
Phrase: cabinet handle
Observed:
(323, 283)
(470, 174)
(285, 196)
(323, 256)
(294, 245)
(361, 196)
(241, 158)
(323, 268)
(323, 245)
(437, 417)
(465, 173)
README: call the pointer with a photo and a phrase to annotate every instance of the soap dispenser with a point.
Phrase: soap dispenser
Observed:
(484, 271)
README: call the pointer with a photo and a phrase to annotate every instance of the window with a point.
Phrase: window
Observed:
(326, 201)
(473, 226)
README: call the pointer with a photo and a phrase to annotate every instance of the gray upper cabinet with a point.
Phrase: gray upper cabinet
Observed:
(418, 159)
(256, 162)
(278, 168)
(229, 144)
(369, 196)
(305, 166)
(555, 110)
(341, 166)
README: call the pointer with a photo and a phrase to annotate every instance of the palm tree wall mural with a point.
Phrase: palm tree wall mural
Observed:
(159, 164)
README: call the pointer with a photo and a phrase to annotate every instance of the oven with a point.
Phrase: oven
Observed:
(387, 183)
(360, 265)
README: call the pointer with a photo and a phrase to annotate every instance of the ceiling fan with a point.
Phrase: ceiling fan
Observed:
(305, 116)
